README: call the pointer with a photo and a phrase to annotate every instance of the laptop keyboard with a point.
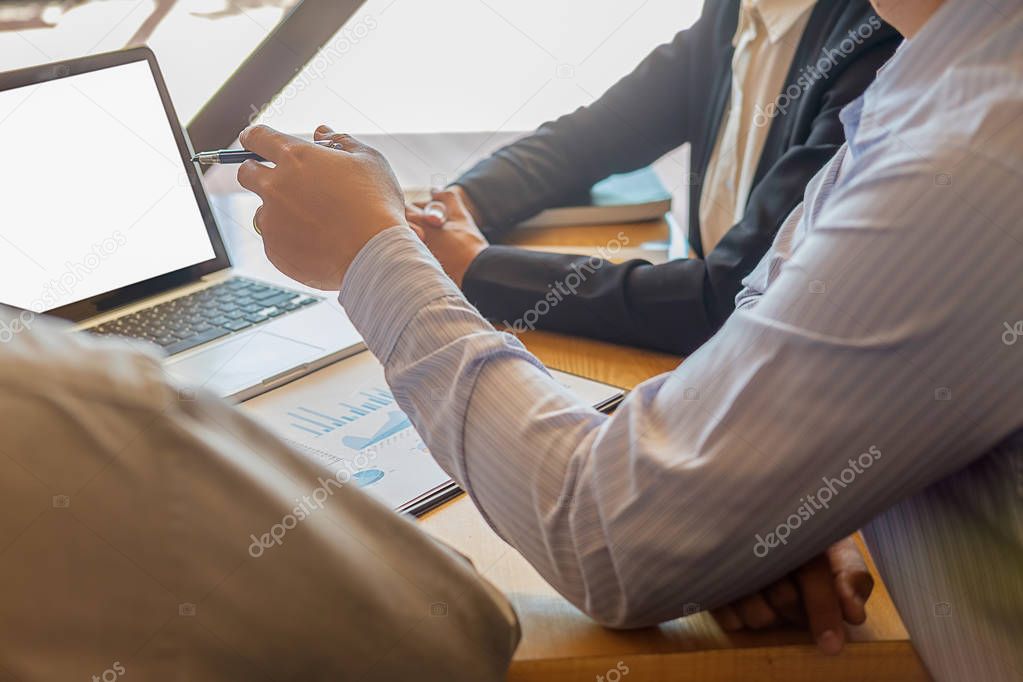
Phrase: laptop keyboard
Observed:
(189, 321)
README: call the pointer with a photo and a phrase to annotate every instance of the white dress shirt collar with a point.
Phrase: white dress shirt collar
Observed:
(777, 16)
(766, 39)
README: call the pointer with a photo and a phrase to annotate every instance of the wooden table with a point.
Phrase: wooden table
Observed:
(561, 644)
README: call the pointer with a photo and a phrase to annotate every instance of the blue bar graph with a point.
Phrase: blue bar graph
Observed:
(320, 423)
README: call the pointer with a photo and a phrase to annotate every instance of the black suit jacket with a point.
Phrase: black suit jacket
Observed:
(677, 94)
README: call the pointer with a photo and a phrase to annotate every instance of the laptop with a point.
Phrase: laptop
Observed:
(106, 224)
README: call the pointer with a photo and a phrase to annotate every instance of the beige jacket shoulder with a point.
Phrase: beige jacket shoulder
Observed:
(134, 526)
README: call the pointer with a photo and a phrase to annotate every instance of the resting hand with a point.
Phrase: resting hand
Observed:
(832, 587)
(450, 232)
(320, 205)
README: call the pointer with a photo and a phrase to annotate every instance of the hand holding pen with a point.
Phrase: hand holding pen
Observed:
(434, 209)
(216, 156)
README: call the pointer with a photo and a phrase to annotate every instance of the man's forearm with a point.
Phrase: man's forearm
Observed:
(662, 307)
(675, 306)
(592, 502)
(740, 465)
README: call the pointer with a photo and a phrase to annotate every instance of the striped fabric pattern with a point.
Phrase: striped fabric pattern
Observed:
(871, 378)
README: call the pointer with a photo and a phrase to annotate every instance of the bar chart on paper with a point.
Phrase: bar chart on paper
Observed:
(346, 418)
(319, 423)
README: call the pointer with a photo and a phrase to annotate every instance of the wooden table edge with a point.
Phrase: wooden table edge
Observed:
(885, 661)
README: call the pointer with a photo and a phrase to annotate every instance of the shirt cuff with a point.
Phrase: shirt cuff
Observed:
(392, 278)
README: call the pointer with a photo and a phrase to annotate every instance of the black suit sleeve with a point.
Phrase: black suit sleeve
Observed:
(639, 119)
(673, 307)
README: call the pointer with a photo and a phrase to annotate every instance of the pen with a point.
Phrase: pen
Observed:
(236, 155)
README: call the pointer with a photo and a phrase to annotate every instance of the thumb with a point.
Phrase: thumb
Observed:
(324, 132)
(418, 216)
(452, 204)
(436, 213)
(853, 581)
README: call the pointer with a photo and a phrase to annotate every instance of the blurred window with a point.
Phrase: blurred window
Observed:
(398, 66)
(411, 66)
(199, 42)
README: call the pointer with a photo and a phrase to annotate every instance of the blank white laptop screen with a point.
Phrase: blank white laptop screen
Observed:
(95, 196)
